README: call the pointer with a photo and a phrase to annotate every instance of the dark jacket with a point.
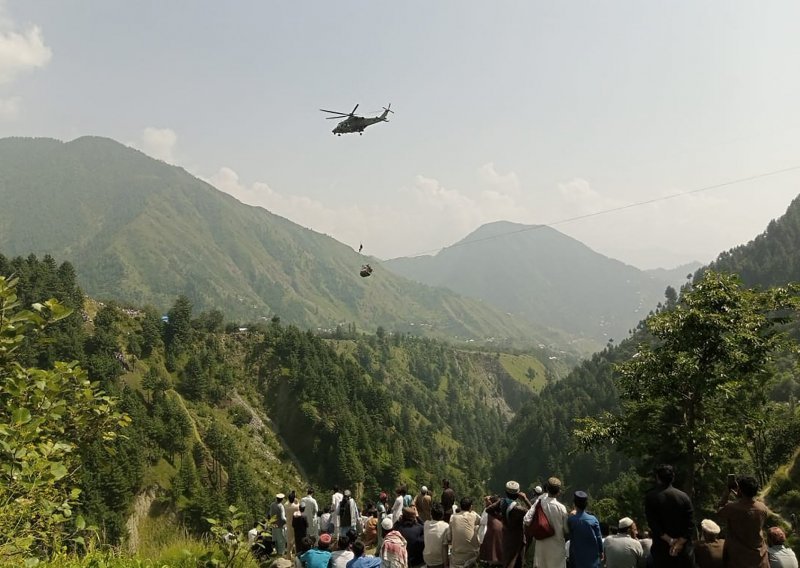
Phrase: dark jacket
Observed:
(669, 511)
(414, 533)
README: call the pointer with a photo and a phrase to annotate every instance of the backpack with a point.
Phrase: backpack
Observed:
(345, 514)
(540, 527)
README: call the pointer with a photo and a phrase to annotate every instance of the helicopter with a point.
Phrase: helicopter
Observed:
(353, 123)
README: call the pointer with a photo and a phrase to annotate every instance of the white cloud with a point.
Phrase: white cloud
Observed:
(9, 108)
(417, 218)
(21, 51)
(424, 215)
(578, 197)
(503, 183)
(159, 143)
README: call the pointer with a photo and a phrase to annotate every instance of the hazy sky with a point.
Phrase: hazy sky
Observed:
(527, 111)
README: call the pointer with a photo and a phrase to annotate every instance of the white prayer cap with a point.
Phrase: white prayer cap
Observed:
(624, 523)
(709, 526)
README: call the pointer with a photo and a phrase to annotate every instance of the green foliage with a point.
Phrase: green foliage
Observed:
(539, 441)
(38, 280)
(386, 410)
(102, 347)
(46, 415)
(229, 534)
(770, 259)
(702, 385)
(377, 411)
(178, 331)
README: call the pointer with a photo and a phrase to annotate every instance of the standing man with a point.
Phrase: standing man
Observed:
(551, 552)
(299, 526)
(585, 540)
(448, 499)
(397, 506)
(744, 518)
(423, 504)
(623, 550)
(277, 513)
(346, 516)
(291, 507)
(530, 544)
(512, 510)
(383, 513)
(335, 498)
(670, 517)
(311, 510)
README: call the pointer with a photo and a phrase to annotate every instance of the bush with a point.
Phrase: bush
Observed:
(46, 416)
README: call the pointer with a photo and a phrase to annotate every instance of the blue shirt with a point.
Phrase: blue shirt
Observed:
(365, 562)
(315, 558)
(585, 541)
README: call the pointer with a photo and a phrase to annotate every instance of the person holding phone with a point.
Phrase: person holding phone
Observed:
(744, 518)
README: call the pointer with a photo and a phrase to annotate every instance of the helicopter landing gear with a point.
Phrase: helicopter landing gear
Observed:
(361, 134)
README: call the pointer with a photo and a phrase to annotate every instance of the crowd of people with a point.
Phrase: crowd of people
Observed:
(517, 531)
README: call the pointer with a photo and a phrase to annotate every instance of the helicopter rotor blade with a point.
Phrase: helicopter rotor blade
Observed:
(354, 110)
(335, 112)
(337, 117)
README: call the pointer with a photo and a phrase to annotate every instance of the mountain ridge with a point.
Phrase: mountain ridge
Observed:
(142, 231)
(590, 388)
(540, 274)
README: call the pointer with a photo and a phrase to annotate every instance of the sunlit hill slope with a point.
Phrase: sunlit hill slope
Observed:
(139, 230)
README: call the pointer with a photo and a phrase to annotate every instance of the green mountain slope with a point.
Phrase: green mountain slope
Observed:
(542, 275)
(141, 231)
(221, 416)
(771, 258)
(541, 441)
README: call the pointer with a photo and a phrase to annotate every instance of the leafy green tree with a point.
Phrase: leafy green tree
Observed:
(691, 396)
(46, 416)
(151, 330)
(155, 382)
(178, 331)
(212, 321)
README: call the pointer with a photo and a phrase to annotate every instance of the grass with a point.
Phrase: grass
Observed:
(517, 366)
(158, 535)
(164, 544)
(160, 474)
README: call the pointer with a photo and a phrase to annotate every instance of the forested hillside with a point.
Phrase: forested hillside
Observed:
(231, 413)
(140, 231)
(543, 432)
(771, 258)
(542, 275)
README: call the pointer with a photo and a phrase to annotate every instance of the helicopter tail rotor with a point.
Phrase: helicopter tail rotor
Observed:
(386, 111)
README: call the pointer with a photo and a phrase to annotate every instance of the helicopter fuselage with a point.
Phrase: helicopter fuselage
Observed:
(356, 124)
